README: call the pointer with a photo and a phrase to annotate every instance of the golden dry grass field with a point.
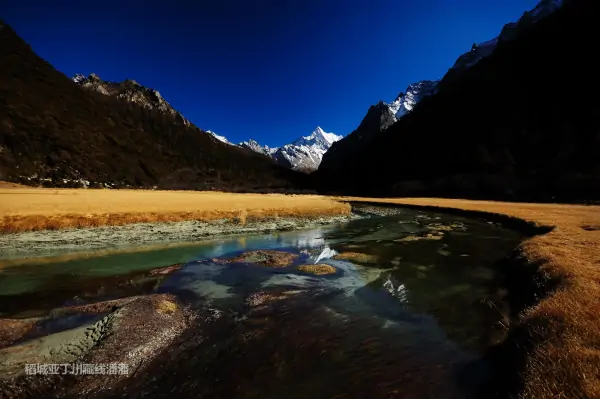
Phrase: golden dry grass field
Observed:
(29, 209)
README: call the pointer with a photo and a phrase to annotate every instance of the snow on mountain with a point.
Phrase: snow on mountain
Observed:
(256, 147)
(131, 91)
(220, 138)
(306, 153)
(415, 92)
(509, 32)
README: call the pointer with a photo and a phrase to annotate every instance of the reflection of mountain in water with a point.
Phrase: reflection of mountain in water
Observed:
(326, 253)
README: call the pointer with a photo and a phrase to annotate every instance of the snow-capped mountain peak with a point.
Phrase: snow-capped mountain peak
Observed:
(303, 154)
(307, 152)
(318, 137)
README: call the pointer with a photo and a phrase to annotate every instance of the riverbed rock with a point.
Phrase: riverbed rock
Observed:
(439, 227)
(266, 258)
(129, 337)
(429, 236)
(13, 329)
(318, 270)
(263, 297)
(95, 307)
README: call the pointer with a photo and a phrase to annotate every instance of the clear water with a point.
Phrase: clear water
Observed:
(401, 326)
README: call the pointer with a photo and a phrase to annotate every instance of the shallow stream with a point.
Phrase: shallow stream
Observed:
(413, 299)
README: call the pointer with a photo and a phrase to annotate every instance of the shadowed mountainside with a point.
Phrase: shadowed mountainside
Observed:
(54, 133)
(523, 123)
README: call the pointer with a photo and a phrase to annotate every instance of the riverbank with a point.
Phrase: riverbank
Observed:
(35, 209)
(558, 336)
(24, 246)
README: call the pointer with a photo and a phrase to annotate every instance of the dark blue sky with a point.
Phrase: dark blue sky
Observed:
(266, 69)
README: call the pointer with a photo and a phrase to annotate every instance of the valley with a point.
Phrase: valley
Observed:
(445, 245)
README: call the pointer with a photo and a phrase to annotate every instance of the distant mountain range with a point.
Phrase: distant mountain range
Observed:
(303, 154)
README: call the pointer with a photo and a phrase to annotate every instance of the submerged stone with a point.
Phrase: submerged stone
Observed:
(263, 297)
(439, 227)
(433, 237)
(356, 257)
(266, 258)
(318, 270)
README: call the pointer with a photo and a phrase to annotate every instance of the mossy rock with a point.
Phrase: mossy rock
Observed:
(356, 257)
(317, 270)
(266, 258)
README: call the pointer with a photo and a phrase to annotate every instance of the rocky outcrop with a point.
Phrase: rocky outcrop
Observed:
(256, 147)
(132, 91)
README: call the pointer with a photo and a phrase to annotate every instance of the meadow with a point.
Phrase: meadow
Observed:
(31, 209)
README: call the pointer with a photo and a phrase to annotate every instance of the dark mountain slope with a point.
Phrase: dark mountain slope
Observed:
(56, 133)
(377, 117)
(523, 123)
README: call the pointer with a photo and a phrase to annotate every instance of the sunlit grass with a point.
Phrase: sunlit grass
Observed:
(30, 209)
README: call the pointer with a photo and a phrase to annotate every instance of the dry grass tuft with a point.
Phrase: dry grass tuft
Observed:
(30, 209)
(6, 184)
(564, 326)
(164, 306)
